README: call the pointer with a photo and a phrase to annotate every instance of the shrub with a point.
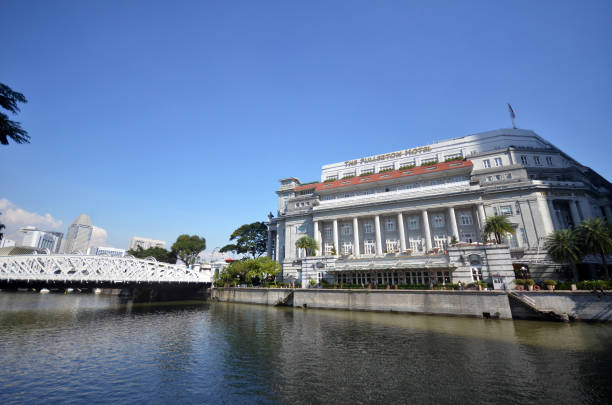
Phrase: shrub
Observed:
(429, 163)
(312, 282)
(404, 167)
(549, 282)
(365, 174)
(451, 159)
(329, 180)
(519, 281)
(529, 281)
(348, 176)
(386, 170)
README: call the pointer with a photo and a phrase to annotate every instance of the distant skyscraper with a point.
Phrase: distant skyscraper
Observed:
(79, 235)
(37, 238)
(145, 243)
(6, 243)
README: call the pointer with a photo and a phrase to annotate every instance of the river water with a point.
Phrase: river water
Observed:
(83, 348)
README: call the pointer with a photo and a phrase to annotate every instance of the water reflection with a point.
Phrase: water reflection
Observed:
(77, 348)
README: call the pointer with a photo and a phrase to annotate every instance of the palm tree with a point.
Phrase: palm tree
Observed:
(8, 128)
(595, 237)
(498, 225)
(308, 243)
(563, 246)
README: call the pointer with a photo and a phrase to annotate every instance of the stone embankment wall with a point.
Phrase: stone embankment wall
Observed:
(459, 303)
(581, 305)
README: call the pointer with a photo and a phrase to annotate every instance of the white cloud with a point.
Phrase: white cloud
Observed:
(14, 218)
(98, 237)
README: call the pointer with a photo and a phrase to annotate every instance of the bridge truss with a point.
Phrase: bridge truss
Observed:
(84, 269)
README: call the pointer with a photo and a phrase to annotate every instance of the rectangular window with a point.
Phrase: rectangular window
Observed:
(413, 223)
(347, 248)
(486, 163)
(331, 178)
(440, 241)
(369, 170)
(415, 243)
(524, 160)
(467, 237)
(368, 227)
(466, 218)
(536, 160)
(517, 207)
(392, 245)
(389, 225)
(495, 211)
(506, 210)
(329, 247)
(327, 232)
(523, 236)
(438, 220)
(498, 162)
(346, 229)
(508, 176)
(386, 168)
(489, 178)
(369, 247)
(498, 177)
(549, 160)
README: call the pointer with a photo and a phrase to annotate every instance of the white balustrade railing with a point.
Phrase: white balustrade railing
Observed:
(83, 268)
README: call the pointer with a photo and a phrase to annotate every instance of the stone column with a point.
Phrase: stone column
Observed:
(355, 237)
(317, 238)
(400, 230)
(453, 221)
(481, 216)
(335, 233)
(269, 244)
(574, 212)
(379, 249)
(427, 235)
(512, 157)
(553, 214)
(587, 212)
(545, 215)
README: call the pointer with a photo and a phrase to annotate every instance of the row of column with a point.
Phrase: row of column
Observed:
(402, 234)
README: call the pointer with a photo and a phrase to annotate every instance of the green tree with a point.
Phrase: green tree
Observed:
(595, 236)
(160, 254)
(563, 247)
(249, 239)
(498, 225)
(249, 271)
(308, 243)
(11, 129)
(187, 248)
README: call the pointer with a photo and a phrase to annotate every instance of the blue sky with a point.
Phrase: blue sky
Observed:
(158, 118)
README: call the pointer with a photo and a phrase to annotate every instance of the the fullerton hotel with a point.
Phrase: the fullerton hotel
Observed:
(415, 216)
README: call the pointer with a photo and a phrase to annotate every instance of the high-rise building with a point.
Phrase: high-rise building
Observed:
(79, 235)
(106, 251)
(36, 238)
(145, 243)
(6, 243)
(417, 216)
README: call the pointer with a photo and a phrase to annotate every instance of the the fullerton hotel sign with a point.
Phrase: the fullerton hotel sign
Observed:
(392, 155)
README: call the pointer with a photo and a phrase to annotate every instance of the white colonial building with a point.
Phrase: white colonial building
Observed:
(145, 243)
(416, 216)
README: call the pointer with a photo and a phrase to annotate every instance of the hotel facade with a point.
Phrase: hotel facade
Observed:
(416, 216)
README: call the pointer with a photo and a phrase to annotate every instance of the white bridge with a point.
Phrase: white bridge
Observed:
(83, 270)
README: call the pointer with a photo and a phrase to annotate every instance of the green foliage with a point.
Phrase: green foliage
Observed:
(529, 281)
(452, 159)
(249, 271)
(364, 174)
(308, 243)
(9, 100)
(429, 162)
(390, 169)
(328, 180)
(586, 285)
(563, 246)
(160, 254)
(454, 240)
(404, 167)
(312, 282)
(249, 239)
(188, 247)
(348, 176)
(498, 225)
(549, 282)
(595, 237)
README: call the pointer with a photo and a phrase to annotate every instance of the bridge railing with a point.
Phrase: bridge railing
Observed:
(95, 269)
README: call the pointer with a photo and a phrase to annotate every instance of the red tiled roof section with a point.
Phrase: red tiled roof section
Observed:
(394, 174)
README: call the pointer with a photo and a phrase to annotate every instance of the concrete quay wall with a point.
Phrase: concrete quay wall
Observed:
(458, 303)
(582, 305)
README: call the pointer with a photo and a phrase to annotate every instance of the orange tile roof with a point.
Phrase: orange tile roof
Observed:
(394, 174)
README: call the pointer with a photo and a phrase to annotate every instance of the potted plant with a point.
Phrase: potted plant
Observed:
(550, 284)
(529, 283)
(520, 284)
